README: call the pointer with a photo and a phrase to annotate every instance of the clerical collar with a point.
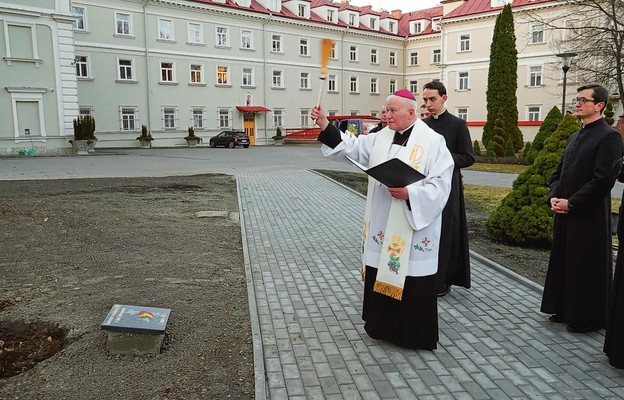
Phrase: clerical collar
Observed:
(406, 130)
(436, 116)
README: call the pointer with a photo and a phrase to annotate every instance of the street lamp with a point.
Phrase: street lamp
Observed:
(567, 61)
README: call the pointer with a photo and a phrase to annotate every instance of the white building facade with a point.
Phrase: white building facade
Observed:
(173, 64)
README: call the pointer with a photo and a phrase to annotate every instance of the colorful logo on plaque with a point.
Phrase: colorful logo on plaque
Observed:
(146, 316)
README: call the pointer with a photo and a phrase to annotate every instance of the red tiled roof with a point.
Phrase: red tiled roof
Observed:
(472, 7)
(426, 14)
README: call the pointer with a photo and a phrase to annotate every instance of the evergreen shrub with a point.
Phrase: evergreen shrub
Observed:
(524, 217)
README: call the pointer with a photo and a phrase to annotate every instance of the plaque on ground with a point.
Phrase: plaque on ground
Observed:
(135, 329)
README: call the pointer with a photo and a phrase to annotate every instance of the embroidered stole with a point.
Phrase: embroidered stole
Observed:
(394, 259)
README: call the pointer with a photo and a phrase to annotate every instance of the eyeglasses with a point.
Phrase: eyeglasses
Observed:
(582, 100)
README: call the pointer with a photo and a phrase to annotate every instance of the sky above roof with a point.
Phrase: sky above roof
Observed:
(403, 5)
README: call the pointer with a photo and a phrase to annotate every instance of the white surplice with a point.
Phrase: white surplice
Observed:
(427, 197)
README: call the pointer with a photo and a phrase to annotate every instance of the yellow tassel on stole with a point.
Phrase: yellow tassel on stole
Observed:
(388, 290)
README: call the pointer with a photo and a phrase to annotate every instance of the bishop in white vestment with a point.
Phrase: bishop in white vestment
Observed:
(401, 233)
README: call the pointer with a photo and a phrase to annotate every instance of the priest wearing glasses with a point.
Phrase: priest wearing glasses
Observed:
(401, 233)
(579, 270)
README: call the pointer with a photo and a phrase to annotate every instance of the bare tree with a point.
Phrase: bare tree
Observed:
(594, 29)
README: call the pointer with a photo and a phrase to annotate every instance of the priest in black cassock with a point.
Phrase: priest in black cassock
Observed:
(454, 267)
(579, 273)
(614, 336)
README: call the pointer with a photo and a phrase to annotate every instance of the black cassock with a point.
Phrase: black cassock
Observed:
(614, 336)
(580, 267)
(454, 260)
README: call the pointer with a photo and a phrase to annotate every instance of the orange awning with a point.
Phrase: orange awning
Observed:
(252, 108)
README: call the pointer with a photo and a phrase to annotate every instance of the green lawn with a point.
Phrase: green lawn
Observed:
(509, 168)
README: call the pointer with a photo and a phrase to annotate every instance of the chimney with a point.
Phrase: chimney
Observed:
(396, 13)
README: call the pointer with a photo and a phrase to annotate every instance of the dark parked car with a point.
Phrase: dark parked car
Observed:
(230, 139)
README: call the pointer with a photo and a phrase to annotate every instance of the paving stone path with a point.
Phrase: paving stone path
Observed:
(301, 234)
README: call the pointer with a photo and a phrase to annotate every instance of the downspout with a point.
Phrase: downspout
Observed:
(264, 67)
(342, 78)
(147, 66)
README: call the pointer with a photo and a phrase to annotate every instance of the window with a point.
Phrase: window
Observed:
(165, 29)
(248, 76)
(277, 79)
(125, 68)
(224, 118)
(393, 58)
(304, 117)
(304, 80)
(82, 111)
(414, 58)
(198, 117)
(462, 113)
(437, 56)
(416, 27)
(332, 54)
(373, 23)
(391, 26)
(373, 86)
(537, 33)
(222, 75)
(462, 83)
(128, 119)
(302, 10)
(303, 47)
(373, 56)
(435, 24)
(352, 19)
(464, 42)
(392, 86)
(413, 86)
(354, 84)
(197, 73)
(278, 117)
(330, 15)
(166, 72)
(535, 76)
(222, 36)
(534, 113)
(195, 34)
(82, 70)
(79, 14)
(353, 53)
(331, 83)
(169, 117)
(246, 37)
(123, 24)
(276, 43)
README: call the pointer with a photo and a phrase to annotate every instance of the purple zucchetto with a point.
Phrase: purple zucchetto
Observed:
(406, 94)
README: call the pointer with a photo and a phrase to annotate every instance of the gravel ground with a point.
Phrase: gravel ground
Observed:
(70, 249)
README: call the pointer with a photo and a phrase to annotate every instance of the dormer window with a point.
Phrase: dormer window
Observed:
(244, 3)
(391, 26)
(302, 10)
(352, 19)
(373, 23)
(416, 27)
(435, 24)
(330, 16)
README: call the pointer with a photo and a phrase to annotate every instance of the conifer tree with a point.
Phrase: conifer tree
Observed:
(476, 148)
(524, 218)
(549, 125)
(608, 113)
(503, 81)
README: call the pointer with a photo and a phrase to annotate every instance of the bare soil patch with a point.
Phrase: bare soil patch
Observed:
(70, 249)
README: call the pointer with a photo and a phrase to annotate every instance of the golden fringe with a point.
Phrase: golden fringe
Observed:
(389, 290)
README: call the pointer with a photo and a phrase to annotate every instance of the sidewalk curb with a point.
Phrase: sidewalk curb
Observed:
(517, 277)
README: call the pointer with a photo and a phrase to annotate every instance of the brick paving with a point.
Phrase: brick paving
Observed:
(301, 233)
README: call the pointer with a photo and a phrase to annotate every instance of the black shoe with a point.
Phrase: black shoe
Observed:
(556, 318)
(581, 329)
(445, 291)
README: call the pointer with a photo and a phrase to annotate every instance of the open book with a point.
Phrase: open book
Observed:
(392, 173)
